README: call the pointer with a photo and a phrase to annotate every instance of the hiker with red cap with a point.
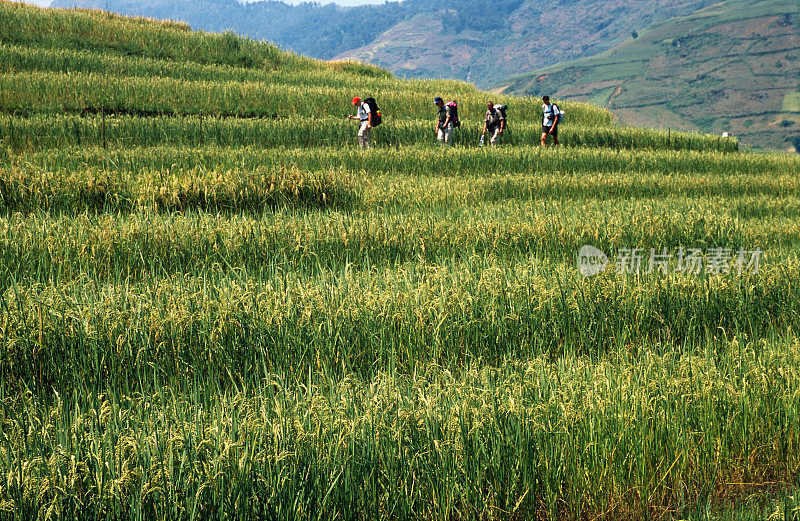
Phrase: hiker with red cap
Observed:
(365, 116)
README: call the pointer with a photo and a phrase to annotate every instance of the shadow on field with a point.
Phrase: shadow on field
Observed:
(105, 195)
(577, 188)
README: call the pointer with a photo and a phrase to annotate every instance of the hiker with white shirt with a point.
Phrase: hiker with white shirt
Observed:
(365, 116)
(551, 116)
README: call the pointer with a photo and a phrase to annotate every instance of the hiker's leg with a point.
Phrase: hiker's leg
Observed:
(440, 136)
(545, 133)
(495, 140)
(367, 138)
(448, 135)
(555, 136)
(363, 136)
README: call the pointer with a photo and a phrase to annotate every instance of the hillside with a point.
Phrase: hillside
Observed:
(485, 42)
(481, 41)
(85, 62)
(319, 31)
(235, 80)
(215, 306)
(730, 67)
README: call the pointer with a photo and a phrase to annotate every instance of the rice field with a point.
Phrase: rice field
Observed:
(213, 306)
(60, 131)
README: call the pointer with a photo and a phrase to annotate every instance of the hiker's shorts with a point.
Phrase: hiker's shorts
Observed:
(364, 140)
(446, 134)
(546, 130)
(495, 139)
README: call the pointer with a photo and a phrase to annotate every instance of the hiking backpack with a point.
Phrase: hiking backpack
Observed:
(376, 112)
(502, 110)
(454, 114)
(554, 114)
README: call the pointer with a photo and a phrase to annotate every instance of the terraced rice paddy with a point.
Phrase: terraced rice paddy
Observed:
(213, 306)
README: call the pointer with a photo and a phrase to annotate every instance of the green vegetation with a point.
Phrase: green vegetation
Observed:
(213, 306)
(791, 102)
(60, 130)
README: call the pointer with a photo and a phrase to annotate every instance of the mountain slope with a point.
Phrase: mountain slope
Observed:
(730, 67)
(482, 41)
(86, 63)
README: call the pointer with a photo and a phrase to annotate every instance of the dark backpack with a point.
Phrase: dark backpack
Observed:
(376, 112)
(454, 114)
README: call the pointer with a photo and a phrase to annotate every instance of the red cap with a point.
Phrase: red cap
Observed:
(356, 100)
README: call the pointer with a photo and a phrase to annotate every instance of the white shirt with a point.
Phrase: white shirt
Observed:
(549, 115)
(363, 112)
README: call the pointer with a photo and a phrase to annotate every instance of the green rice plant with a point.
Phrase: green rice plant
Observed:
(212, 306)
(303, 131)
(133, 46)
(29, 189)
(342, 75)
(683, 435)
(98, 191)
(54, 92)
(360, 224)
(86, 29)
(279, 320)
(419, 161)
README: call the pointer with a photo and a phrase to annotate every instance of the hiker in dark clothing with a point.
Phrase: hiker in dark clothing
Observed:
(444, 124)
(495, 123)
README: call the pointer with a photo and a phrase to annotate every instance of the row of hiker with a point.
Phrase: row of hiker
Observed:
(369, 116)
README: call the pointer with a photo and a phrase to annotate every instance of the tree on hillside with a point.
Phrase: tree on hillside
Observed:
(477, 15)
